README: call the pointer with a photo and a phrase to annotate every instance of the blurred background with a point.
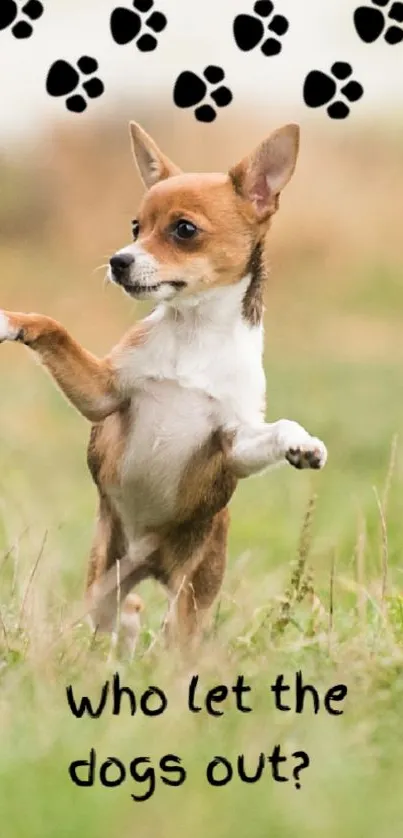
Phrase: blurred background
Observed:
(334, 349)
(69, 189)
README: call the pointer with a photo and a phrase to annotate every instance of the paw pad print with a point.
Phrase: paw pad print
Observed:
(126, 25)
(371, 22)
(64, 79)
(191, 90)
(20, 19)
(250, 30)
(320, 89)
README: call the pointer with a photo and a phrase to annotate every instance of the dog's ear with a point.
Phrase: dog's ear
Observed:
(261, 177)
(152, 163)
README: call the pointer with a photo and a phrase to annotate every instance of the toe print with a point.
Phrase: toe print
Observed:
(20, 19)
(127, 25)
(250, 30)
(191, 90)
(371, 22)
(321, 89)
(8, 13)
(64, 79)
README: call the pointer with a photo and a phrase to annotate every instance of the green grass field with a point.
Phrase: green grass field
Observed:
(314, 581)
(347, 628)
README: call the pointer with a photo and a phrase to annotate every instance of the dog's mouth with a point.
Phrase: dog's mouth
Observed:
(136, 289)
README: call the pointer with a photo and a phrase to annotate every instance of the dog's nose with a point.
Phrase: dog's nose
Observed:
(121, 263)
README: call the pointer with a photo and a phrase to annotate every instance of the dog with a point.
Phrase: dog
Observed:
(177, 407)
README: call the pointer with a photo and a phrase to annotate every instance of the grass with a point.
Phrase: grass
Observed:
(311, 586)
(314, 581)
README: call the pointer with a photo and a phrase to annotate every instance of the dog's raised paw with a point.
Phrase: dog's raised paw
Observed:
(311, 455)
(7, 330)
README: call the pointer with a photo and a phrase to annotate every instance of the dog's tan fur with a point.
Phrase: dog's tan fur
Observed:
(183, 543)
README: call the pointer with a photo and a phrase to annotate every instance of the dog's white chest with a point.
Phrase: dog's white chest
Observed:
(188, 380)
(168, 424)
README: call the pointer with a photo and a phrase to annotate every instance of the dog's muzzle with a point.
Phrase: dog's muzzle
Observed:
(123, 269)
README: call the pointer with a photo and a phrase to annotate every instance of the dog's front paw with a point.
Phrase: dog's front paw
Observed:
(299, 448)
(311, 454)
(8, 329)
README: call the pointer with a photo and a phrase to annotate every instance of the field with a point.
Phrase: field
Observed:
(314, 582)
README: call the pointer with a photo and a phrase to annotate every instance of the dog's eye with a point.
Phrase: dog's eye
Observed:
(184, 230)
(135, 229)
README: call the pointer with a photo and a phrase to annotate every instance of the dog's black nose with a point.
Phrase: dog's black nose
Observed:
(121, 263)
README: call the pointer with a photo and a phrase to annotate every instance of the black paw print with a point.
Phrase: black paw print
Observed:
(370, 23)
(126, 25)
(320, 89)
(249, 31)
(9, 13)
(63, 79)
(190, 90)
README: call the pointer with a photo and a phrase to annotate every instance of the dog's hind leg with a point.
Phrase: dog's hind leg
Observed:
(113, 571)
(195, 587)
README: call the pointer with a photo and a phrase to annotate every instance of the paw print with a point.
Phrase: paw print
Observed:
(126, 25)
(320, 89)
(9, 14)
(370, 23)
(191, 90)
(249, 30)
(63, 79)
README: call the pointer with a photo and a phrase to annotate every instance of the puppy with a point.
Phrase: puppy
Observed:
(177, 407)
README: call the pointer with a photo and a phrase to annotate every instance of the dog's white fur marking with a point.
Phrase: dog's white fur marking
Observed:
(154, 278)
(145, 272)
(200, 370)
(7, 332)
(145, 268)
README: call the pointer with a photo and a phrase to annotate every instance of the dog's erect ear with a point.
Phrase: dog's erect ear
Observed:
(152, 163)
(261, 177)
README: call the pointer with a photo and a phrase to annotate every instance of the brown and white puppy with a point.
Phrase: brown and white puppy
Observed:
(178, 405)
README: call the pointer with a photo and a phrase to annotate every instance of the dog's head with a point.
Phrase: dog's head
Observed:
(194, 232)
